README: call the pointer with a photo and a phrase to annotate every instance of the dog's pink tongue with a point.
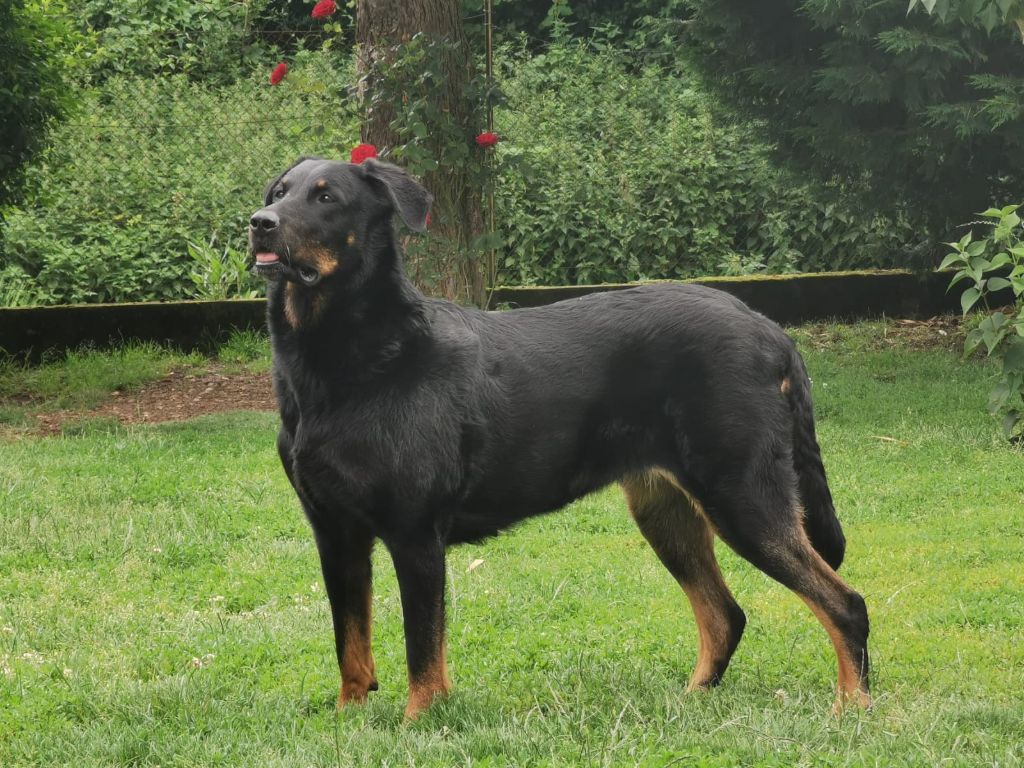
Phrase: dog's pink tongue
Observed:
(266, 258)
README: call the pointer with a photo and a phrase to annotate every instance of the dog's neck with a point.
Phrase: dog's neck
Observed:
(352, 334)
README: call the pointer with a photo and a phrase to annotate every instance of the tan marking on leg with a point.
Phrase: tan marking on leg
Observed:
(674, 524)
(713, 630)
(784, 386)
(827, 583)
(358, 672)
(694, 503)
(850, 689)
(434, 681)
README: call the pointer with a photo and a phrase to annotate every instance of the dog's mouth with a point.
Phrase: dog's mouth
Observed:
(270, 265)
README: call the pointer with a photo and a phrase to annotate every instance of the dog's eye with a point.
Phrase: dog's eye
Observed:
(325, 198)
(279, 194)
(308, 275)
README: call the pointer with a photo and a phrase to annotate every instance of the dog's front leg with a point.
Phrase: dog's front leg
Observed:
(345, 561)
(419, 565)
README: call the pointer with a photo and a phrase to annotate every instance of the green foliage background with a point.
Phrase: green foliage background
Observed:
(625, 169)
(153, 164)
(38, 45)
(611, 168)
(923, 108)
(620, 159)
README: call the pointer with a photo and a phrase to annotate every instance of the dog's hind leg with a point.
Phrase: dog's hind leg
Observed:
(345, 562)
(759, 517)
(678, 532)
(419, 566)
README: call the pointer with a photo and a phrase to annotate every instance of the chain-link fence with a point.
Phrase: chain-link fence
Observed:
(614, 165)
(152, 179)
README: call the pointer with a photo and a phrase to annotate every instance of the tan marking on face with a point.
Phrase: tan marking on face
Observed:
(321, 184)
(784, 386)
(318, 257)
(292, 312)
(303, 304)
(351, 239)
(325, 262)
(302, 307)
(434, 681)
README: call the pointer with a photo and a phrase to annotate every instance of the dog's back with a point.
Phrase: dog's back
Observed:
(580, 393)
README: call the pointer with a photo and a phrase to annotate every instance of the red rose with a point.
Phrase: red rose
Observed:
(487, 139)
(278, 74)
(324, 8)
(361, 152)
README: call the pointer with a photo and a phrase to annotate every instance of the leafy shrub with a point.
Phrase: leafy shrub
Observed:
(37, 42)
(992, 264)
(208, 40)
(17, 289)
(534, 17)
(928, 109)
(221, 272)
(153, 164)
(612, 167)
(626, 172)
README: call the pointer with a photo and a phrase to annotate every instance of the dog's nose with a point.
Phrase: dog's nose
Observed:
(265, 220)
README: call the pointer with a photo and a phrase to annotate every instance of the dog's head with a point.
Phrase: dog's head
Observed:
(322, 219)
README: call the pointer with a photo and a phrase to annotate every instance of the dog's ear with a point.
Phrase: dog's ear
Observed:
(410, 199)
(281, 175)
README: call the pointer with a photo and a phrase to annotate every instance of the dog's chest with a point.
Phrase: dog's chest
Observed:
(374, 462)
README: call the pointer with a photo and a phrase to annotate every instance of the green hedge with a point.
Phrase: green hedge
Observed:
(150, 165)
(613, 167)
(626, 171)
(36, 44)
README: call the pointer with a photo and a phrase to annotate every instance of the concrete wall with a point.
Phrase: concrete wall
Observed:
(787, 299)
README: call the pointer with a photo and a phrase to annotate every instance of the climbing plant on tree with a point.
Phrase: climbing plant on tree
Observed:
(423, 103)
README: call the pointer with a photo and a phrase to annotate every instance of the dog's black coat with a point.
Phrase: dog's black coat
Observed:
(424, 424)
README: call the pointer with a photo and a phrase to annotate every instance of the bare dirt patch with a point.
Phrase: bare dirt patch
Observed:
(178, 396)
(942, 332)
(187, 393)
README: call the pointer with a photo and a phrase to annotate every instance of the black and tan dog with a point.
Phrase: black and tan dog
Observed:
(424, 424)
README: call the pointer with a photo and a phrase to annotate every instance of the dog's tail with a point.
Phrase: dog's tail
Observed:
(820, 521)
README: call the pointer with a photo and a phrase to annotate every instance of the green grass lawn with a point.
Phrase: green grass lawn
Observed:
(161, 604)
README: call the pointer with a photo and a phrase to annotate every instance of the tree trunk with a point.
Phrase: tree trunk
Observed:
(446, 265)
